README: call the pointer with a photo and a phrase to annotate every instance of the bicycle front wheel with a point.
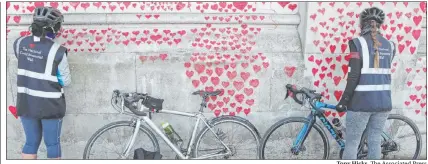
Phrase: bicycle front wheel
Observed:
(240, 137)
(110, 141)
(278, 141)
(401, 139)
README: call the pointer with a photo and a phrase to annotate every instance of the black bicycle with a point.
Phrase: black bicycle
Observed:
(303, 141)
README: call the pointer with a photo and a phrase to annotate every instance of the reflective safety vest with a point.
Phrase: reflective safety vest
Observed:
(40, 94)
(373, 92)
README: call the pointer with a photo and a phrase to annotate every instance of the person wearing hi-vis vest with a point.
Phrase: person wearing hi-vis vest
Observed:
(367, 95)
(42, 73)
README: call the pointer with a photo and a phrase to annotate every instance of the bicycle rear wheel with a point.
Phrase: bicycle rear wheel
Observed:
(113, 143)
(401, 139)
(278, 141)
(238, 134)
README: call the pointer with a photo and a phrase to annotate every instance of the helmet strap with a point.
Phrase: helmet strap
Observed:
(30, 28)
(52, 34)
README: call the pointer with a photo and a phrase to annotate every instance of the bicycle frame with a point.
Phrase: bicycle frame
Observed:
(317, 112)
(199, 117)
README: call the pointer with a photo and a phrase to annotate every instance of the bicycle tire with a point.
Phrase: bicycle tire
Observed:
(113, 125)
(222, 119)
(290, 120)
(408, 122)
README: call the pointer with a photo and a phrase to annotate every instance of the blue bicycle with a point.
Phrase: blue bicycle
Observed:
(302, 140)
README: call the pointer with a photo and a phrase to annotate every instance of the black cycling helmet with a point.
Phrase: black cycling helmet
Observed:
(373, 13)
(48, 16)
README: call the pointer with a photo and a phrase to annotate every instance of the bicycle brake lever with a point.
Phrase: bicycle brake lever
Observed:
(286, 96)
(123, 103)
(115, 100)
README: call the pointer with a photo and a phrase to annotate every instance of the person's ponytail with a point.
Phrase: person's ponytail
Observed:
(37, 29)
(376, 43)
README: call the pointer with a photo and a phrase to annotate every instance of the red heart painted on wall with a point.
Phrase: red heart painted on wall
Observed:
(247, 111)
(289, 70)
(240, 5)
(416, 34)
(74, 4)
(17, 19)
(417, 19)
(338, 94)
(292, 6)
(283, 4)
(314, 71)
(97, 4)
(217, 112)
(180, 6)
(413, 97)
(327, 113)
(337, 80)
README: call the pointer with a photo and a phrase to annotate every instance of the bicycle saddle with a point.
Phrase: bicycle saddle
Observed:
(206, 93)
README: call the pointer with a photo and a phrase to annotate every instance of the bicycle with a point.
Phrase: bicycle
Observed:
(308, 96)
(142, 107)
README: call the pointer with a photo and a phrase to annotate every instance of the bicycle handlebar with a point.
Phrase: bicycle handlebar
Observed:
(293, 90)
(317, 104)
(130, 100)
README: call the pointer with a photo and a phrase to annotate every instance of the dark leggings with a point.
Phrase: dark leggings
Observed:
(34, 129)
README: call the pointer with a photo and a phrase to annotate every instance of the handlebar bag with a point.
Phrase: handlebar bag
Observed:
(153, 103)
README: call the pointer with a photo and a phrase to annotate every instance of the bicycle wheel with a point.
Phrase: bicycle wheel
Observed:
(115, 144)
(240, 136)
(401, 139)
(278, 141)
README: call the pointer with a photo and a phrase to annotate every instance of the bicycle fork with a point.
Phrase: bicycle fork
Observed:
(131, 140)
(301, 137)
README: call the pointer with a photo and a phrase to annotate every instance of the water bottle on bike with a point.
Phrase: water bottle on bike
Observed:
(336, 122)
(339, 127)
(171, 134)
(167, 128)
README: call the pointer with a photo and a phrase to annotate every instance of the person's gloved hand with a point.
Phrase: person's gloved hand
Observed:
(342, 106)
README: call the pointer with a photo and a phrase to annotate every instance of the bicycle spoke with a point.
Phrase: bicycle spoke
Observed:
(233, 133)
(225, 145)
(400, 141)
(113, 146)
(279, 143)
(104, 146)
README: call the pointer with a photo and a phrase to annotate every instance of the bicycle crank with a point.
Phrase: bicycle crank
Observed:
(231, 153)
(388, 147)
(391, 146)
